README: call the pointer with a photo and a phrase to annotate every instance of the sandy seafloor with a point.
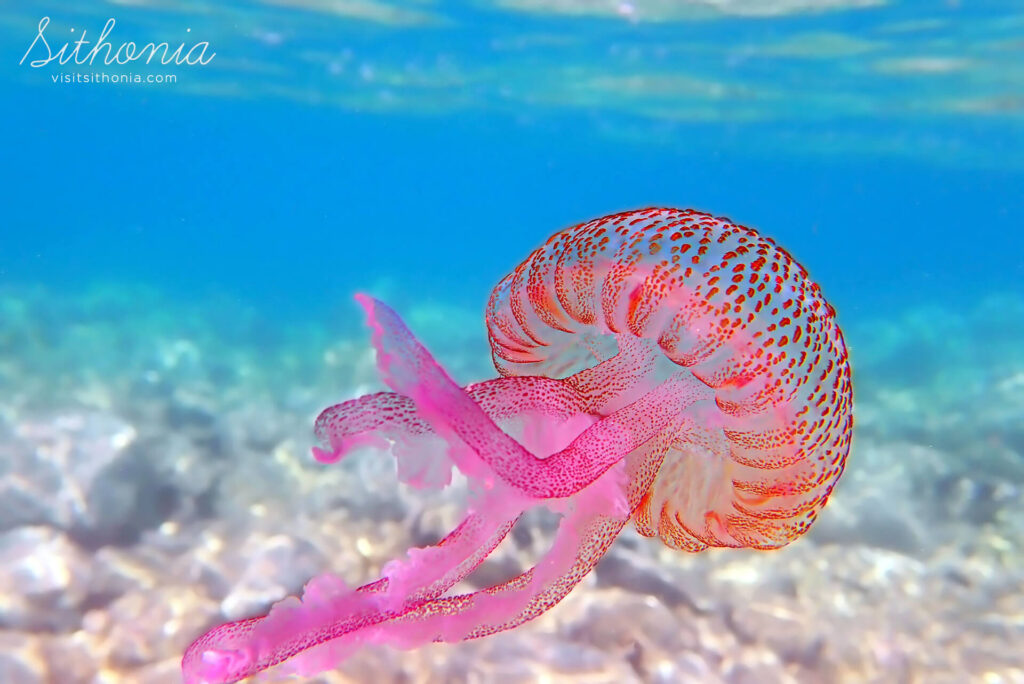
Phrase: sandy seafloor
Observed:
(155, 480)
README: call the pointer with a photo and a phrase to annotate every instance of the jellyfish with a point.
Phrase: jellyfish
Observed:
(662, 367)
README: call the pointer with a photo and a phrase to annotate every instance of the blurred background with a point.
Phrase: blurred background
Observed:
(180, 244)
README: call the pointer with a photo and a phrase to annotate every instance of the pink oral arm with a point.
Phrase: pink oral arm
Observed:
(584, 536)
(409, 369)
(236, 650)
(329, 613)
(598, 515)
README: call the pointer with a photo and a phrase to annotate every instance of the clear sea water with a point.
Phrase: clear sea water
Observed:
(329, 146)
(419, 149)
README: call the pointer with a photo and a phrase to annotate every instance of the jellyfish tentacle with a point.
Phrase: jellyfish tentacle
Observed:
(584, 536)
(617, 379)
(642, 466)
(592, 392)
(390, 414)
(480, 549)
(240, 649)
(367, 419)
(411, 370)
(510, 604)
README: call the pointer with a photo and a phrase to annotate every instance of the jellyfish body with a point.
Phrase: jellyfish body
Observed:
(660, 366)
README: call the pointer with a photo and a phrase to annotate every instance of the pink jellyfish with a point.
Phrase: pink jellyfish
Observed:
(660, 366)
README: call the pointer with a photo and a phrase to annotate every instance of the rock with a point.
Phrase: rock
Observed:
(27, 484)
(45, 579)
(637, 573)
(115, 572)
(163, 672)
(265, 426)
(191, 411)
(276, 567)
(183, 475)
(493, 572)
(144, 627)
(789, 633)
(80, 472)
(69, 658)
(756, 668)
(20, 660)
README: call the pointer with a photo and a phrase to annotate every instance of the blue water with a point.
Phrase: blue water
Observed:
(290, 202)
